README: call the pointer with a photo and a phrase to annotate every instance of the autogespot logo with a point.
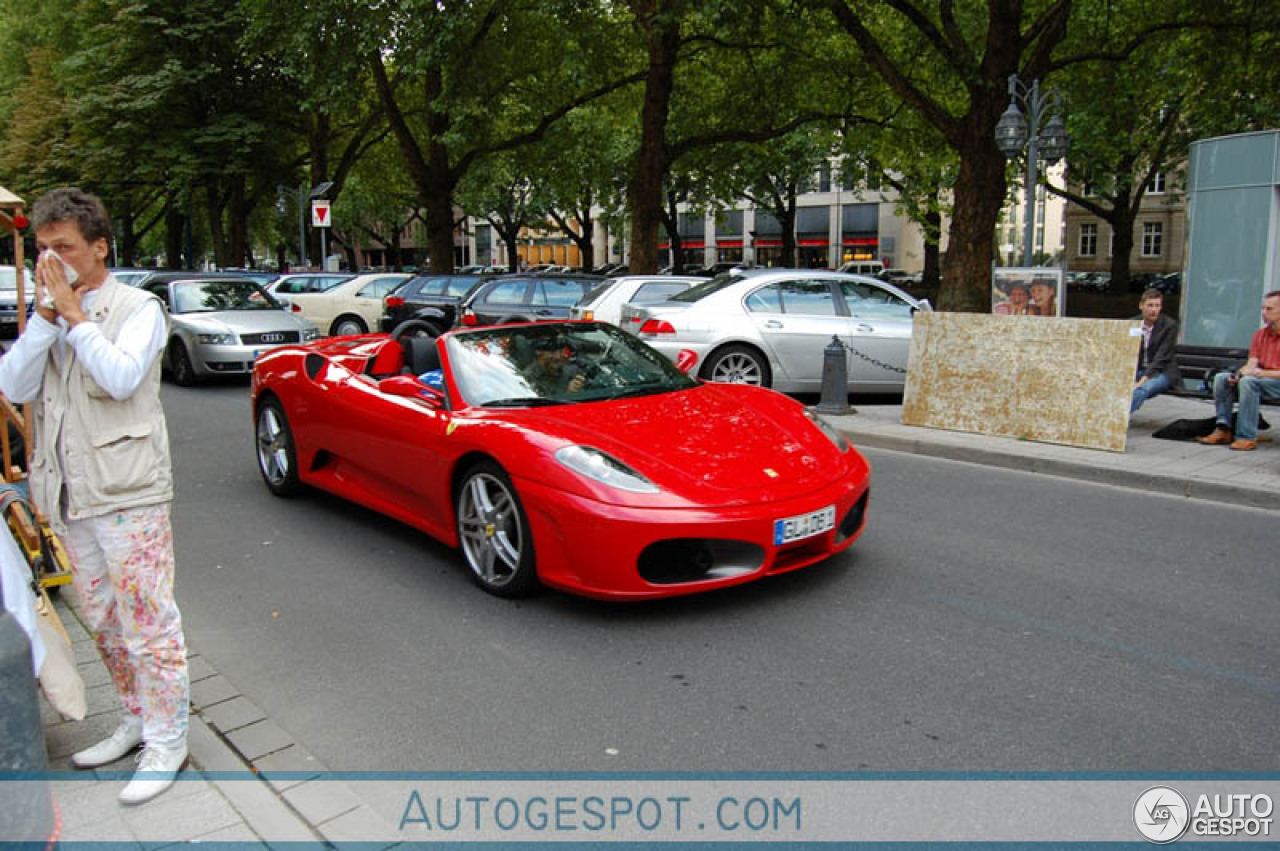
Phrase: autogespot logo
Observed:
(1161, 814)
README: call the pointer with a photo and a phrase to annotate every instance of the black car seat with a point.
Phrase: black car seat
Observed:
(420, 355)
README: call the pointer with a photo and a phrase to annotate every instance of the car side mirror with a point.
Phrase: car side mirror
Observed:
(924, 305)
(409, 387)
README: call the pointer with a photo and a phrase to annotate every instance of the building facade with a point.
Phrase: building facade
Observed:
(1159, 234)
(834, 225)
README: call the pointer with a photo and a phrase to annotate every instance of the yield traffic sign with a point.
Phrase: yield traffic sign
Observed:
(320, 209)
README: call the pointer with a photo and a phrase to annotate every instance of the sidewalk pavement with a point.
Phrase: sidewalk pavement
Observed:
(1180, 468)
(247, 779)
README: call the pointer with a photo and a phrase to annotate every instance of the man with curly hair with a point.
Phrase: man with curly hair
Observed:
(89, 362)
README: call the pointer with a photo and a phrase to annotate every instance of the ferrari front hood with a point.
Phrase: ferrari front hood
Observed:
(713, 444)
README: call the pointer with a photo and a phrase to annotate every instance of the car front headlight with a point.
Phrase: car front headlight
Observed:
(828, 429)
(216, 339)
(604, 468)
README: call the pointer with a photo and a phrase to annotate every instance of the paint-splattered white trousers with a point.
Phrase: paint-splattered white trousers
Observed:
(123, 568)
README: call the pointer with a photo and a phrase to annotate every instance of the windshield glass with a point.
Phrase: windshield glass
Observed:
(550, 364)
(706, 288)
(201, 296)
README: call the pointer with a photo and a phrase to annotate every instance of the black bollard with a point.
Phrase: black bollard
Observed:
(835, 380)
(26, 808)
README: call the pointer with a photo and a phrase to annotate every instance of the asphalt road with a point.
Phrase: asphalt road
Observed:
(987, 620)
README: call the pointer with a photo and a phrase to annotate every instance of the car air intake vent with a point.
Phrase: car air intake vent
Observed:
(270, 338)
(852, 521)
(680, 560)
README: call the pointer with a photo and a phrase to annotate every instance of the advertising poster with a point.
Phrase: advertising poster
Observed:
(1023, 291)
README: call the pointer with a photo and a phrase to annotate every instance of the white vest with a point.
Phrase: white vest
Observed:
(114, 454)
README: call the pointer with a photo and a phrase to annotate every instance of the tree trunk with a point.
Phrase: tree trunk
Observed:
(932, 252)
(1122, 225)
(788, 222)
(238, 238)
(644, 190)
(979, 195)
(174, 227)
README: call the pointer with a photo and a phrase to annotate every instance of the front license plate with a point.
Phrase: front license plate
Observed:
(802, 526)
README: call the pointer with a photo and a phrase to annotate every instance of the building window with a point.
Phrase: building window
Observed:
(1156, 186)
(1152, 238)
(1089, 240)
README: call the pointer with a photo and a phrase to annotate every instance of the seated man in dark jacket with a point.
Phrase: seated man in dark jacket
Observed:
(1157, 368)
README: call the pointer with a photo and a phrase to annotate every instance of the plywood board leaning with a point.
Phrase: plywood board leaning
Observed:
(1066, 381)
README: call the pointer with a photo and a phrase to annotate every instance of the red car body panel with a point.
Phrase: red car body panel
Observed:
(728, 461)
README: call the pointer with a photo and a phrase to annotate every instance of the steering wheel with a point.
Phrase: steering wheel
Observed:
(415, 328)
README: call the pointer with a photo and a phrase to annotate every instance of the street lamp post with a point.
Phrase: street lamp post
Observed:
(1015, 130)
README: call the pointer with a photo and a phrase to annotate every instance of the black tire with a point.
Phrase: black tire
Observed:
(493, 532)
(180, 365)
(347, 325)
(738, 365)
(277, 456)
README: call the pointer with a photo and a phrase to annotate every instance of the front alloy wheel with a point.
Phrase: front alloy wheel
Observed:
(277, 458)
(493, 532)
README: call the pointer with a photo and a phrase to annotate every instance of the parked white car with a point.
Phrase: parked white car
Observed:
(9, 297)
(770, 327)
(353, 306)
(604, 301)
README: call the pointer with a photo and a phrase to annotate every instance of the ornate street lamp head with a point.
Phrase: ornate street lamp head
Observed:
(1011, 131)
(1053, 139)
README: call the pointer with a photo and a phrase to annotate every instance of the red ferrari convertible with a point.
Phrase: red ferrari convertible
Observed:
(567, 454)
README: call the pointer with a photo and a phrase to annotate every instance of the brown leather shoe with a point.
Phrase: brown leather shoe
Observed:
(1244, 445)
(1219, 437)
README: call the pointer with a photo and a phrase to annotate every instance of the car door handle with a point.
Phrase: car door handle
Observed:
(865, 328)
(773, 323)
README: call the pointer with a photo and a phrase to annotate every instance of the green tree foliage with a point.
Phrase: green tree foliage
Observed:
(1194, 82)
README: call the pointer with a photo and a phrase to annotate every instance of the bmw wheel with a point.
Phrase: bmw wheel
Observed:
(345, 326)
(494, 533)
(277, 457)
(739, 365)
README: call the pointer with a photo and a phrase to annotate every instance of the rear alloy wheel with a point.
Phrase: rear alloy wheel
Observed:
(493, 532)
(738, 365)
(184, 371)
(277, 457)
(345, 326)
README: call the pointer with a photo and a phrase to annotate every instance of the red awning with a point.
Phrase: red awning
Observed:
(768, 243)
(729, 243)
(861, 240)
(812, 243)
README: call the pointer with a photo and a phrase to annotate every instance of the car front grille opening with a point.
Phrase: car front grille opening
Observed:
(852, 521)
(680, 560)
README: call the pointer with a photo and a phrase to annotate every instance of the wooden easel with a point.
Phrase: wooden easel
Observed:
(31, 530)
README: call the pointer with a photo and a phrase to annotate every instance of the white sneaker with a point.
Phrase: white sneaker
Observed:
(126, 737)
(157, 768)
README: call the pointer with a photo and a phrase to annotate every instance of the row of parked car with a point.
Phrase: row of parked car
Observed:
(758, 326)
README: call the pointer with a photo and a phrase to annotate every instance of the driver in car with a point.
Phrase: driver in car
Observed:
(552, 370)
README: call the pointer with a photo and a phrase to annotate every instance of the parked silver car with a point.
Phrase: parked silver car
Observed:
(219, 326)
(771, 326)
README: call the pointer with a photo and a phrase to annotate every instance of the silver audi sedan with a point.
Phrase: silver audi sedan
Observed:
(219, 326)
(771, 326)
